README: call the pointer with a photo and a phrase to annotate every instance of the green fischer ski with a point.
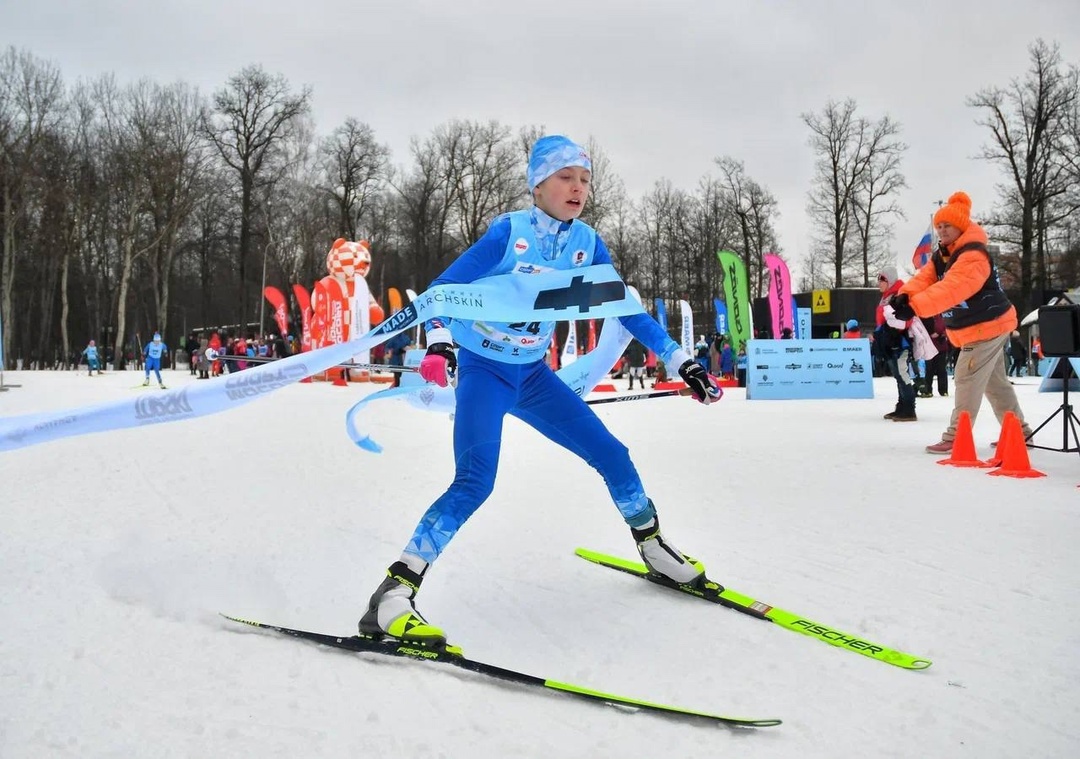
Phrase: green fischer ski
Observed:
(732, 599)
(453, 655)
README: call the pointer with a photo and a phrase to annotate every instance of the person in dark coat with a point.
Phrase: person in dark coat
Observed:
(635, 362)
(1017, 353)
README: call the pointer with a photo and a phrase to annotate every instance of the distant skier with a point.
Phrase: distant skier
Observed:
(91, 353)
(153, 353)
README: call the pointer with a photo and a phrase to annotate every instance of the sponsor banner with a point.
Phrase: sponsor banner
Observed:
(779, 294)
(737, 297)
(794, 369)
(803, 323)
(281, 308)
(686, 330)
(721, 316)
(303, 300)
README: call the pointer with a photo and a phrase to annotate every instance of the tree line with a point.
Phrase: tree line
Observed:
(129, 208)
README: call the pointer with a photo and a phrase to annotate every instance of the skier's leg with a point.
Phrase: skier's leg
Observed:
(557, 412)
(483, 395)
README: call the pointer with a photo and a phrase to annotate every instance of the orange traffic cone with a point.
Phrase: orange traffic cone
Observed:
(963, 447)
(1014, 459)
(1003, 439)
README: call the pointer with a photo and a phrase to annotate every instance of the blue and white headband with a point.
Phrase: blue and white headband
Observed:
(552, 153)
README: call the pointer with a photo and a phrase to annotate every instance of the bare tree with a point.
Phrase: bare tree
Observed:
(130, 134)
(667, 267)
(252, 117)
(839, 140)
(1027, 121)
(424, 206)
(606, 189)
(484, 174)
(753, 210)
(179, 162)
(355, 167)
(31, 105)
(874, 199)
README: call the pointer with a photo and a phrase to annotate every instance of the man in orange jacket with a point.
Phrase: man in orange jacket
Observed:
(960, 282)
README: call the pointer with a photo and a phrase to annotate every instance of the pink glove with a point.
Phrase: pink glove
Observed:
(439, 364)
(705, 387)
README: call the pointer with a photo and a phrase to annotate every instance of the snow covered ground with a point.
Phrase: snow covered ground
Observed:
(117, 550)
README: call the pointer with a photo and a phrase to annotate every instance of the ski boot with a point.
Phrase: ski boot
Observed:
(392, 612)
(146, 382)
(663, 559)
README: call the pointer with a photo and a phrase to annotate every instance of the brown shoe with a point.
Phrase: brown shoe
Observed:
(940, 448)
(905, 417)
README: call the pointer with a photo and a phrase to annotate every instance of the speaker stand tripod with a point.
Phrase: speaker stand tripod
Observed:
(1068, 418)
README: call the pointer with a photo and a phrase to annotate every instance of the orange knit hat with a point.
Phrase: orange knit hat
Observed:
(957, 212)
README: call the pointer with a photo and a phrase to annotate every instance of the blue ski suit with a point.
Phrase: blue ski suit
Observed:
(153, 352)
(501, 371)
(91, 354)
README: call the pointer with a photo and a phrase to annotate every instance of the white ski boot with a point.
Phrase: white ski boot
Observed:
(392, 611)
(664, 559)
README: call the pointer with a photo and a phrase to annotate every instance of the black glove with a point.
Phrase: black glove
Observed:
(699, 382)
(901, 307)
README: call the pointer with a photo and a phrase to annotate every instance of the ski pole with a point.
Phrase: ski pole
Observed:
(212, 355)
(640, 396)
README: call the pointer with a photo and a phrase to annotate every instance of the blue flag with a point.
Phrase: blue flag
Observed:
(721, 316)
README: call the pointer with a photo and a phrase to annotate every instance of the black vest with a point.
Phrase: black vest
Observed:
(987, 304)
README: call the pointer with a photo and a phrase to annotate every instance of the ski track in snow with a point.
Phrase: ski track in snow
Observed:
(118, 550)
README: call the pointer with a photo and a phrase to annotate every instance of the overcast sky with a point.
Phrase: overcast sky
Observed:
(663, 87)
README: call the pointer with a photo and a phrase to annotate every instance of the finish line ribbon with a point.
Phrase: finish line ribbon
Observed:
(582, 376)
(595, 291)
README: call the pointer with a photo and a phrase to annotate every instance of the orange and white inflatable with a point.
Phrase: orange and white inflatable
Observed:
(341, 303)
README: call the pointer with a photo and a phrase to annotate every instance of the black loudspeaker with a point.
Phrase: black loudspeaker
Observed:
(1059, 330)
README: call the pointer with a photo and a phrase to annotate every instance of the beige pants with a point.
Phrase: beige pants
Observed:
(980, 371)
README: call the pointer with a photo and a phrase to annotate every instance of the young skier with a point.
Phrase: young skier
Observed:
(153, 353)
(509, 376)
(91, 353)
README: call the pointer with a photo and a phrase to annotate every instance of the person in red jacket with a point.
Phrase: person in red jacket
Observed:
(891, 343)
(960, 282)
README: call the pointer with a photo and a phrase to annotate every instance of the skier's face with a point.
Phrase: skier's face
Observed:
(563, 194)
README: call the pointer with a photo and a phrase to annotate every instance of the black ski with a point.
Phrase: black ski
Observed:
(452, 655)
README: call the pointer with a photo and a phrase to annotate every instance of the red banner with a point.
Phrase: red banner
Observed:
(304, 301)
(281, 308)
